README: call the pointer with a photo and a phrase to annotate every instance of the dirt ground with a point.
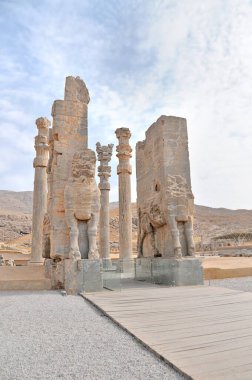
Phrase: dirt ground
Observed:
(226, 267)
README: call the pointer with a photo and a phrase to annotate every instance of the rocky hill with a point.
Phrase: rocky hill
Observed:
(16, 218)
(15, 214)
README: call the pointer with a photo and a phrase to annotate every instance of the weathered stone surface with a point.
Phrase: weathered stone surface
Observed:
(173, 272)
(82, 206)
(124, 171)
(82, 276)
(73, 200)
(2, 262)
(68, 136)
(55, 271)
(40, 190)
(23, 278)
(104, 153)
(164, 197)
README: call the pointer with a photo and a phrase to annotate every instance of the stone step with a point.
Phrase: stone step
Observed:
(25, 285)
(24, 278)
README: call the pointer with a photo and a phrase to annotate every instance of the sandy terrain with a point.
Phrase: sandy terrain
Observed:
(227, 267)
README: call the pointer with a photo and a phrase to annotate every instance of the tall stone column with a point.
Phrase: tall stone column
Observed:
(40, 189)
(124, 171)
(104, 154)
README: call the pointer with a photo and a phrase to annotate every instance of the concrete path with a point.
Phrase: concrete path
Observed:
(206, 332)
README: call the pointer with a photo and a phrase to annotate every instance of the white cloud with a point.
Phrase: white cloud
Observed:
(188, 58)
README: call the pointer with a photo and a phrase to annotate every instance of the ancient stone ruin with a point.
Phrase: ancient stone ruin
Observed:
(73, 200)
(104, 153)
(124, 171)
(68, 203)
(40, 189)
(165, 203)
(69, 135)
(164, 195)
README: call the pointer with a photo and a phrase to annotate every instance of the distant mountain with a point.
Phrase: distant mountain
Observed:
(16, 202)
(16, 218)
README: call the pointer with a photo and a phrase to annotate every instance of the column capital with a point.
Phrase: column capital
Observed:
(43, 125)
(123, 133)
(41, 142)
(104, 153)
(123, 149)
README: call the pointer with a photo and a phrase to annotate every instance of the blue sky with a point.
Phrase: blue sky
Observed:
(139, 59)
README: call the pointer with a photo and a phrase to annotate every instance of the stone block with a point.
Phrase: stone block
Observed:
(126, 268)
(83, 276)
(173, 272)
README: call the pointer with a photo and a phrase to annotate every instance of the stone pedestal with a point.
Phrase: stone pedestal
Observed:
(125, 214)
(75, 276)
(173, 272)
(83, 276)
(127, 268)
(40, 190)
(104, 154)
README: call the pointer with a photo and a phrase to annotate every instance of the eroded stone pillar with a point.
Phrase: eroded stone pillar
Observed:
(40, 189)
(70, 135)
(124, 171)
(104, 154)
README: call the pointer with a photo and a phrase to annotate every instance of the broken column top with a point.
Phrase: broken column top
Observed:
(123, 149)
(43, 125)
(76, 90)
(170, 123)
(123, 133)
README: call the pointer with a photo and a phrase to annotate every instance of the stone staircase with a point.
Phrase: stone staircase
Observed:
(24, 278)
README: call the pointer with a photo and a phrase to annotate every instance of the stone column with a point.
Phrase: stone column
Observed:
(40, 189)
(104, 154)
(124, 171)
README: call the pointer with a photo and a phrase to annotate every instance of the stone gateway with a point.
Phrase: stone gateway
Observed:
(164, 196)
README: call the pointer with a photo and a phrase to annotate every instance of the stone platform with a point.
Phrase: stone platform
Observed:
(24, 278)
(75, 276)
(173, 272)
(204, 332)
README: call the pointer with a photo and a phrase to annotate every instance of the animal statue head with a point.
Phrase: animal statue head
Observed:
(83, 166)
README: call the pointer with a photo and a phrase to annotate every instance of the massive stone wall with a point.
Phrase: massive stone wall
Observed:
(164, 196)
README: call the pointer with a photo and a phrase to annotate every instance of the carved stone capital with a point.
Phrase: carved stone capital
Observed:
(123, 148)
(123, 133)
(43, 125)
(104, 153)
(40, 162)
(41, 142)
(104, 170)
(104, 185)
(124, 151)
(124, 169)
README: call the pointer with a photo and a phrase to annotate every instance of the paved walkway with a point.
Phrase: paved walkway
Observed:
(206, 332)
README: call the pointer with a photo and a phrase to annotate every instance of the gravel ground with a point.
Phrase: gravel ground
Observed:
(242, 283)
(44, 335)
